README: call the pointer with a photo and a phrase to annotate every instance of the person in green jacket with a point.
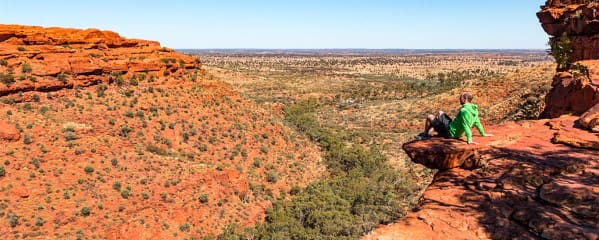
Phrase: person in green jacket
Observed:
(461, 125)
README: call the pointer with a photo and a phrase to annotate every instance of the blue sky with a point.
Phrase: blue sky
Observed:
(416, 24)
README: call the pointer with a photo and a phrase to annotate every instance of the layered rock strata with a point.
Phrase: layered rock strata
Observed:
(576, 84)
(48, 59)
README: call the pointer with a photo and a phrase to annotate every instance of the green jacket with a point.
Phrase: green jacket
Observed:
(463, 122)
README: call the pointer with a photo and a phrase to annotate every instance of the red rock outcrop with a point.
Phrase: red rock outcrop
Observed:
(8, 132)
(574, 90)
(569, 133)
(45, 59)
(530, 188)
(441, 153)
(590, 119)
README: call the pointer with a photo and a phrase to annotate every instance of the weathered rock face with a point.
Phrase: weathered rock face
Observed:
(440, 153)
(566, 2)
(44, 59)
(574, 91)
(531, 188)
(572, 94)
(579, 20)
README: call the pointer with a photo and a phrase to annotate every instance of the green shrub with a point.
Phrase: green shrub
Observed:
(125, 193)
(125, 130)
(101, 89)
(203, 198)
(66, 195)
(116, 186)
(2, 171)
(26, 68)
(39, 221)
(27, 107)
(272, 177)
(561, 48)
(3, 62)
(114, 162)
(263, 149)
(36, 162)
(133, 81)
(7, 79)
(119, 79)
(27, 139)
(70, 135)
(89, 169)
(578, 70)
(156, 150)
(62, 77)
(85, 211)
(184, 227)
(13, 220)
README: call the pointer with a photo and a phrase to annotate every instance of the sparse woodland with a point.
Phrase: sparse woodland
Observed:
(359, 109)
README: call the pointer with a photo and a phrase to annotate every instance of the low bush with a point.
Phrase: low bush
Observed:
(7, 79)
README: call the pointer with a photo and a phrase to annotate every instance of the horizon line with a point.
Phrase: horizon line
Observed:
(375, 49)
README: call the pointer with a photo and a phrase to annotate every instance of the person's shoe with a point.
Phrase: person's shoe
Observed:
(423, 136)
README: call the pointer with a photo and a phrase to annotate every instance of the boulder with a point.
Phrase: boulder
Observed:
(569, 132)
(9, 132)
(590, 119)
(441, 153)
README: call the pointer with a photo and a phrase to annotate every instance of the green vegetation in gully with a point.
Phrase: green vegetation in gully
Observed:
(362, 191)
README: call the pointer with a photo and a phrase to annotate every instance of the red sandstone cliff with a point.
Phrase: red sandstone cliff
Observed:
(575, 90)
(44, 59)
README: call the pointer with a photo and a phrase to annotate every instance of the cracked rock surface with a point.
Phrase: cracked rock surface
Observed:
(530, 188)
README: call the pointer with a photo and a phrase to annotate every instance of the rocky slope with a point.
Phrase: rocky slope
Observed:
(534, 179)
(114, 138)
